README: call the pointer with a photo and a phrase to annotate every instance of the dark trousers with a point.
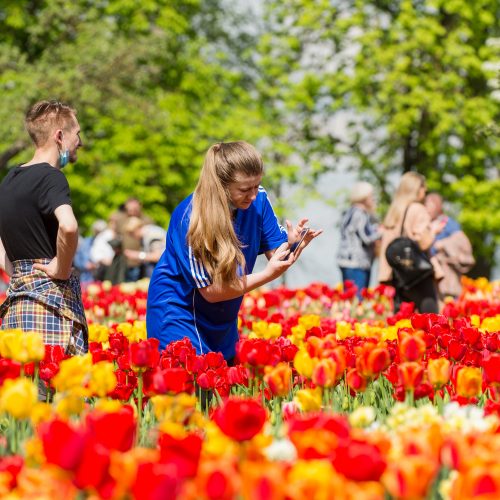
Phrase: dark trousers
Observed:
(424, 295)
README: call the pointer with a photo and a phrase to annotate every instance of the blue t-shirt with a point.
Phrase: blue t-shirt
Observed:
(451, 227)
(176, 309)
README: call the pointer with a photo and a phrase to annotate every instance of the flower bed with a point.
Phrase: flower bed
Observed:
(329, 398)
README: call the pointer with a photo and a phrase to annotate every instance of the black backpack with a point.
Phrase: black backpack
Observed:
(410, 265)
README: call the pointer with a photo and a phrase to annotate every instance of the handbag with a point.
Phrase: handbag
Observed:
(410, 264)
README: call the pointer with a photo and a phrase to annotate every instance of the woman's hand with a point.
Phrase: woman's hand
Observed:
(279, 262)
(294, 234)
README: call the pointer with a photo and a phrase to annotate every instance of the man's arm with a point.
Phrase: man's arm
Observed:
(67, 241)
(5, 263)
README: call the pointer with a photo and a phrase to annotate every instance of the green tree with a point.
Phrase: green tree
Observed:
(410, 86)
(154, 83)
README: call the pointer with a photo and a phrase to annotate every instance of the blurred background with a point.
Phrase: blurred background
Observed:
(330, 91)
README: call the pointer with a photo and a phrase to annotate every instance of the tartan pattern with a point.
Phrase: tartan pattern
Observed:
(53, 308)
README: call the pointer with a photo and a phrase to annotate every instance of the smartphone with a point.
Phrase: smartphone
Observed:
(295, 246)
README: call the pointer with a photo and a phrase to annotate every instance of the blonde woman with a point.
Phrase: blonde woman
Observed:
(213, 241)
(359, 231)
(408, 215)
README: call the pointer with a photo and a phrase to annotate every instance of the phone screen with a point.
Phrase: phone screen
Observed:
(296, 245)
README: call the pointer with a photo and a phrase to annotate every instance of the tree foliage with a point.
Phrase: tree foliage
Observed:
(389, 87)
(153, 83)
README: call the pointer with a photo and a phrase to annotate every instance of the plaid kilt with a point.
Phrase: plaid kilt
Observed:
(53, 308)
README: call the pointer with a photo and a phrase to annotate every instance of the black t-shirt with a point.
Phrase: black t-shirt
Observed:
(28, 197)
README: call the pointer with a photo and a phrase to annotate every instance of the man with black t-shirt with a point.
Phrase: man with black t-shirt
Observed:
(39, 234)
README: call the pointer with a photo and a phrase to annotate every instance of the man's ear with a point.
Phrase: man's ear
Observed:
(58, 135)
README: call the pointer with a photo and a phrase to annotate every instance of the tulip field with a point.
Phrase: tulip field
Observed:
(328, 398)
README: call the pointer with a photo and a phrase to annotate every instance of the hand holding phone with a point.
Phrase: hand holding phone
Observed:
(295, 246)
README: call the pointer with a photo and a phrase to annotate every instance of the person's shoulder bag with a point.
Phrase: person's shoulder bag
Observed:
(410, 264)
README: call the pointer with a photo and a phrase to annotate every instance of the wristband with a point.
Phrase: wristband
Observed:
(142, 256)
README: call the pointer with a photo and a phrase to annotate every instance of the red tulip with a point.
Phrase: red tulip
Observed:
(144, 354)
(240, 419)
(183, 453)
(156, 481)
(114, 431)
(456, 350)
(491, 368)
(93, 468)
(356, 381)
(9, 369)
(63, 444)
(168, 380)
(11, 465)
(237, 375)
(359, 461)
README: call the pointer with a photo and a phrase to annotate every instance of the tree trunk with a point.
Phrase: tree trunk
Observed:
(10, 152)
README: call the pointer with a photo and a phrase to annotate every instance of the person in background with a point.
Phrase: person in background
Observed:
(4, 281)
(408, 215)
(102, 251)
(451, 247)
(131, 208)
(213, 240)
(39, 234)
(83, 260)
(153, 239)
(359, 232)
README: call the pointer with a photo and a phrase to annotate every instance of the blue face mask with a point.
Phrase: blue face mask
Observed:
(63, 158)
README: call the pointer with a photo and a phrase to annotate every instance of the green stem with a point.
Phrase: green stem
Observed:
(139, 408)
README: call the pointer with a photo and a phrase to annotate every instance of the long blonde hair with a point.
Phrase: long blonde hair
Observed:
(407, 193)
(211, 234)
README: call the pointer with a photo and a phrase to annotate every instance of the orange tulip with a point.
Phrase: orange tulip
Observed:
(371, 359)
(356, 381)
(325, 373)
(438, 371)
(411, 477)
(217, 479)
(279, 379)
(410, 374)
(481, 481)
(339, 356)
(469, 382)
(412, 346)
(262, 479)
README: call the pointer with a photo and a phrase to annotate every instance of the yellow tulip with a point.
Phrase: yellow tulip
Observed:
(259, 328)
(41, 412)
(98, 333)
(491, 324)
(108, 405)
(172, 429)
(309, 399)
(102, 378)
(309, 321)
(74, 373)
(299, 332)
(34, 451)
(68, 405)
(20, 346)
(216, 443)
(303, 363)
(344, 330)
(18, 397)
(311, 478)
